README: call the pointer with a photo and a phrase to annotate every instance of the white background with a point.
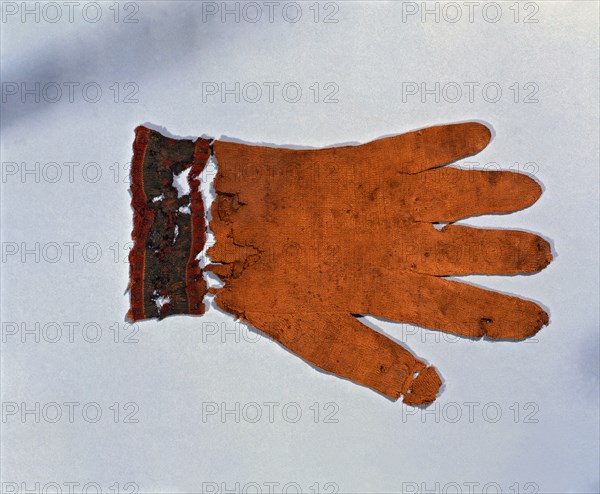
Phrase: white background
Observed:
(178, 365)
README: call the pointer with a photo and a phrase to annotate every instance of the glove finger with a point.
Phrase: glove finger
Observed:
(458, 250)
(449, 306)
(450, 194)
(443, 195)
(338, 343)
(412, 152)
(424, 149)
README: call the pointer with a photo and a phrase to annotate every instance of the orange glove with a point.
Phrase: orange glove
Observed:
(307, 240)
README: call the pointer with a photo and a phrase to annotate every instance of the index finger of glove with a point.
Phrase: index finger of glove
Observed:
(428, 148)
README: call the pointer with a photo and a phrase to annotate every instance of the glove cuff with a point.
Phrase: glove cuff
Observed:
(169, 230)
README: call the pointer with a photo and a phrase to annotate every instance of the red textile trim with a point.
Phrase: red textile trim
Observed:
(165, 276)
(143, 218)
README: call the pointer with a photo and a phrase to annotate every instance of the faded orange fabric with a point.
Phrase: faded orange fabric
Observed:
(308, 240)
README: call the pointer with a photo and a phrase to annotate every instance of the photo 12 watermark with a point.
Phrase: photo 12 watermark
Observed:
(27, 332)
(269, 487)
(55, 92)
(269, 412)
(470, 487)
(70, 12)
(471, 412)
(470, 92)
(70, 412)
(470, 12)
(270, 12)
(85, 172)
(65, 252)
(270, 92)
(70, 487)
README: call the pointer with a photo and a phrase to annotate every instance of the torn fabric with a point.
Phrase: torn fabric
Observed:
(307, 241)
(169, 229)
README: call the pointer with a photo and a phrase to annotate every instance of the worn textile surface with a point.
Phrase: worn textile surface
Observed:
(169, 230)
(307, 240)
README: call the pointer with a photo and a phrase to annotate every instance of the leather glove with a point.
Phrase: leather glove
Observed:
(308, 240)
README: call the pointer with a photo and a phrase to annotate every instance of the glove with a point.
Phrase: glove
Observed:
(308, 240)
